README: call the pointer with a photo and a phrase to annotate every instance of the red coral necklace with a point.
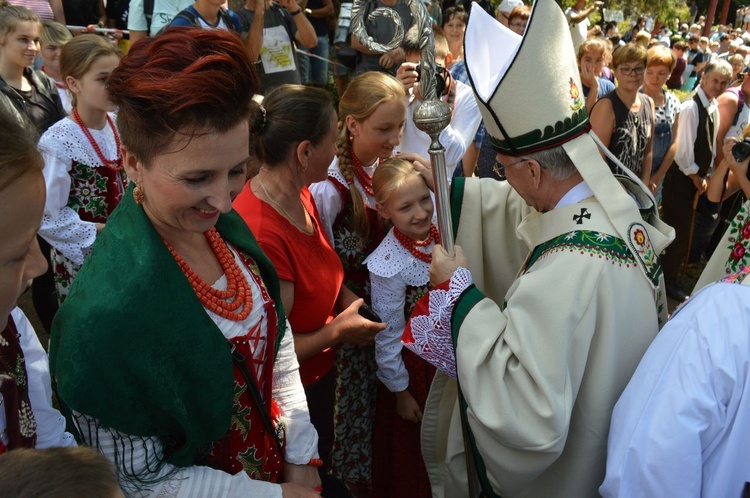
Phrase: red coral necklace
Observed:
(115, 164)
(364, 178)
(238, 293)
(413, 245)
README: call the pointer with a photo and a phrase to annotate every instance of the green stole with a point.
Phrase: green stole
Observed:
(133, 347)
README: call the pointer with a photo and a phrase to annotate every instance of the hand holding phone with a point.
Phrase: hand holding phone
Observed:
(366, 312)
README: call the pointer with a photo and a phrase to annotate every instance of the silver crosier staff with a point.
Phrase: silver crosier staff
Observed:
(432, 115)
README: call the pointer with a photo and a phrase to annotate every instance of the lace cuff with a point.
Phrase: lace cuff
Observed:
(428, 331)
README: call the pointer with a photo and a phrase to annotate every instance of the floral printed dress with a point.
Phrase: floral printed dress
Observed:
(356, 382)
(81, 192)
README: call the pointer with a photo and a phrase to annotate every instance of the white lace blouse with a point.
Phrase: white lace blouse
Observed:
(61, 144)
(393, 268)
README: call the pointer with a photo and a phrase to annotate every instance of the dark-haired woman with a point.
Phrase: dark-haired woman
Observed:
(295, 142)
(172, 352)
(454, 27)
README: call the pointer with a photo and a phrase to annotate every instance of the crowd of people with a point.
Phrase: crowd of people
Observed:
(243, 278)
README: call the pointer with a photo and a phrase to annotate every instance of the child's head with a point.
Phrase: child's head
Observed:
(403, 197)
(642, 38)
(54, 36)
(85, 65)
(58, 473)
(372, 113)
(21, 193)
(411, 46)
(594, 52)
(19, 34)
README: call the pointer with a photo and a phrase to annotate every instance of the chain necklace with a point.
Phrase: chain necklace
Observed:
(115, 164)
(413, 245)
(308, 218)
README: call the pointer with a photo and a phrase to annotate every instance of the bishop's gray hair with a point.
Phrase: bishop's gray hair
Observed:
(555, 161)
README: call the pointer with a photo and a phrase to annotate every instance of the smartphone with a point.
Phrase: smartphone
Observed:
(366, 312)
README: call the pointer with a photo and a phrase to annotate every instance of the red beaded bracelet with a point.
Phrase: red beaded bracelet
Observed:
(315, 462)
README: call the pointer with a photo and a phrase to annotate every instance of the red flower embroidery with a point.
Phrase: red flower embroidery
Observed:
(746, 231)
(640, 237)
(738, 252)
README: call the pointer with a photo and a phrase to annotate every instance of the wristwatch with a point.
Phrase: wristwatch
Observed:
(308, 12)
(296, 12)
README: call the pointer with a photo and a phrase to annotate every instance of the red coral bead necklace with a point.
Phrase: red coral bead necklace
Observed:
(115, 164)
(413, 245)
(222, 302)
(364, 178)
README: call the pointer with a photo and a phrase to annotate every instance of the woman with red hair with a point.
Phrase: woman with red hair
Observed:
(172, 353)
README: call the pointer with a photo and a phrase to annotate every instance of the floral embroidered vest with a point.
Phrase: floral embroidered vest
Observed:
(352, 250)
(247, 445)
(95, 191)
(14, 387)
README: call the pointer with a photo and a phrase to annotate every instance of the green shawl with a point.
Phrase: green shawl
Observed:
(132, 345)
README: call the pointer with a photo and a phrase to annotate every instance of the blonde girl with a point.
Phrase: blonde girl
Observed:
(83, 163)
(399, 276)
(54, 35)
(372, 112)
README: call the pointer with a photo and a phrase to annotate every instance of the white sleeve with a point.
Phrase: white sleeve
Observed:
(50, 423)
(678, 405)
(329, 205)
(61, 226)
(302, 438)
(388, 299)
(686, 134)
(139, 456)
(460, 133)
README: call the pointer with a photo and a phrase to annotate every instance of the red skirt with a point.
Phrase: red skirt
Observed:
(398, 470)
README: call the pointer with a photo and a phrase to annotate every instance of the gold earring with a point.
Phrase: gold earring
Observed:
(138, 194)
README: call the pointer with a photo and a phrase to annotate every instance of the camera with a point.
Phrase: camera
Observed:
(741, 150)
(440, 77)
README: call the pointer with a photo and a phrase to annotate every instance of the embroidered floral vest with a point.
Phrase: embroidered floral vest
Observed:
(95, 192)
(14, 387)
(352, 250)
(247, 445)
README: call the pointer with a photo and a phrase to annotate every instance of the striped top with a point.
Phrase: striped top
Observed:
(41, 8)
